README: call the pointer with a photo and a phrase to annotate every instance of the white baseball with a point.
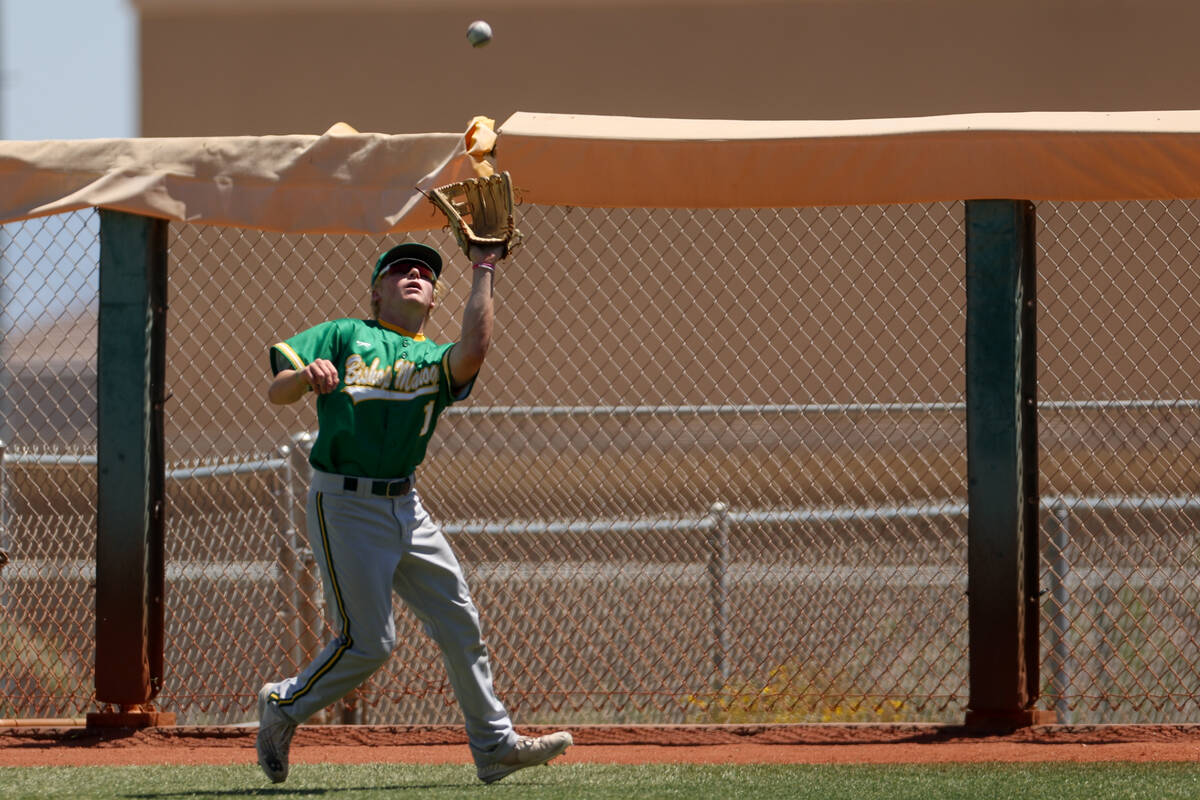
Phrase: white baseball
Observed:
(479, 33)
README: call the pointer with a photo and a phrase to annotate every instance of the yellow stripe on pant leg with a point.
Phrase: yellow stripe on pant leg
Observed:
(347, 642)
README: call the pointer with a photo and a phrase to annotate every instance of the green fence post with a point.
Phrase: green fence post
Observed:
(1002, 477)
(130, 472)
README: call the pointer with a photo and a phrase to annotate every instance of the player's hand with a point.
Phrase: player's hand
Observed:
(486, 254)
(321, 375)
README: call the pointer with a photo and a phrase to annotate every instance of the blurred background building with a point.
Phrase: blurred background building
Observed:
(231, 67)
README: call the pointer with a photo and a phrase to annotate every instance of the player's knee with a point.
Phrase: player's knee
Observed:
(462, 620)
(376, 652)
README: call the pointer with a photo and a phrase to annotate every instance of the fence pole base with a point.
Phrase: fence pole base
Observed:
(1009, 720)
(131, 717)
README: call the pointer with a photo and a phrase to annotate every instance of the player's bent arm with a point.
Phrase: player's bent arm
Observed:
(289, 385)
(466, 357)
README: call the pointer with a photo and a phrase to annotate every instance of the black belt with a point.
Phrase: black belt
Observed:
(382, 488)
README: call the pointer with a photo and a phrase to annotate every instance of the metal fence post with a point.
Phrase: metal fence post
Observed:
(287, 589)
(130, 468)
(5, 544)
(1002, 490)
(718, 561)
(3, 500)
(309, 600)
(1060, 619)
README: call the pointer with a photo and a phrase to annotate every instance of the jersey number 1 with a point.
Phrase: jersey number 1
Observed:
(428, 419)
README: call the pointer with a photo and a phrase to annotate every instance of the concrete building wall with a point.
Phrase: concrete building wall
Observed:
(273, 66)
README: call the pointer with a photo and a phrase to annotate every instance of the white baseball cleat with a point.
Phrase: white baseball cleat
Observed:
(275, 731)
(529, 752)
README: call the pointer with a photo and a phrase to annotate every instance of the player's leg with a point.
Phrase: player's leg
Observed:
(431, 583)
(354, 543)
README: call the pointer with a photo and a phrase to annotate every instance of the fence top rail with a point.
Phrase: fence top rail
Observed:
(1053, 503)
(800, 408)
(719, 515)
(179, 473)
(701, 409)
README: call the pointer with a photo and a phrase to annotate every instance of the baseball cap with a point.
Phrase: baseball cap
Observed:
(409, 251)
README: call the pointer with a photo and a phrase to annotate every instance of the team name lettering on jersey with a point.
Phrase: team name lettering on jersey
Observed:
(409, 379)
(399, 381)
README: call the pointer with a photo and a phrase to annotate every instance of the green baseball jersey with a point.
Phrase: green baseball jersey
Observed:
(392, 386)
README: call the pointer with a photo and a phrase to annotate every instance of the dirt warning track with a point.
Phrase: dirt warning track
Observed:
(709, 744)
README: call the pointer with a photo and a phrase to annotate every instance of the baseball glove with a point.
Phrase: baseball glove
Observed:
(488, 202)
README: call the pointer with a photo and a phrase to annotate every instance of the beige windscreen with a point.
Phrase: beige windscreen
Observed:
(344, 181)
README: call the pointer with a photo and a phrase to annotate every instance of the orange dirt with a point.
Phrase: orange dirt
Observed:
(710, 744)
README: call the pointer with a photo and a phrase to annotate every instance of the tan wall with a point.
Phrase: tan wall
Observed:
(406, 68)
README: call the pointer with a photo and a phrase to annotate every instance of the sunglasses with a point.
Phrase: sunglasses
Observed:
(405, 265)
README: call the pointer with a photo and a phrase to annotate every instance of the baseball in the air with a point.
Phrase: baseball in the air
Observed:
(479, 33)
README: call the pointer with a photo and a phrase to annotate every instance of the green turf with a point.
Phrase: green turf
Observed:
(1108, 781)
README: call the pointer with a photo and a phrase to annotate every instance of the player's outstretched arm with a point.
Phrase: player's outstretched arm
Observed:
(466, 357)
(289, 385)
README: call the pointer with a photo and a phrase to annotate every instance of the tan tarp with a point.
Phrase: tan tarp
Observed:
(339, 182)
(607, 161)
(349, 182)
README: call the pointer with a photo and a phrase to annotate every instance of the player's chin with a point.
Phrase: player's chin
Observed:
(418, 299)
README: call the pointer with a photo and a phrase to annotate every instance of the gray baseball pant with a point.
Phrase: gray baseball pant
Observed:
(368, 547)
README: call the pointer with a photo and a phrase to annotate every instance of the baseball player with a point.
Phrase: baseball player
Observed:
(380, 386)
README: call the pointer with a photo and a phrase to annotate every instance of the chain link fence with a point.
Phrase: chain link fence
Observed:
(1119, 430)
(48, 283)
(714, 469)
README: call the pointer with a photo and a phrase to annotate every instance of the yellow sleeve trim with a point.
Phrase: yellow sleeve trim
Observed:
(290, 354)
